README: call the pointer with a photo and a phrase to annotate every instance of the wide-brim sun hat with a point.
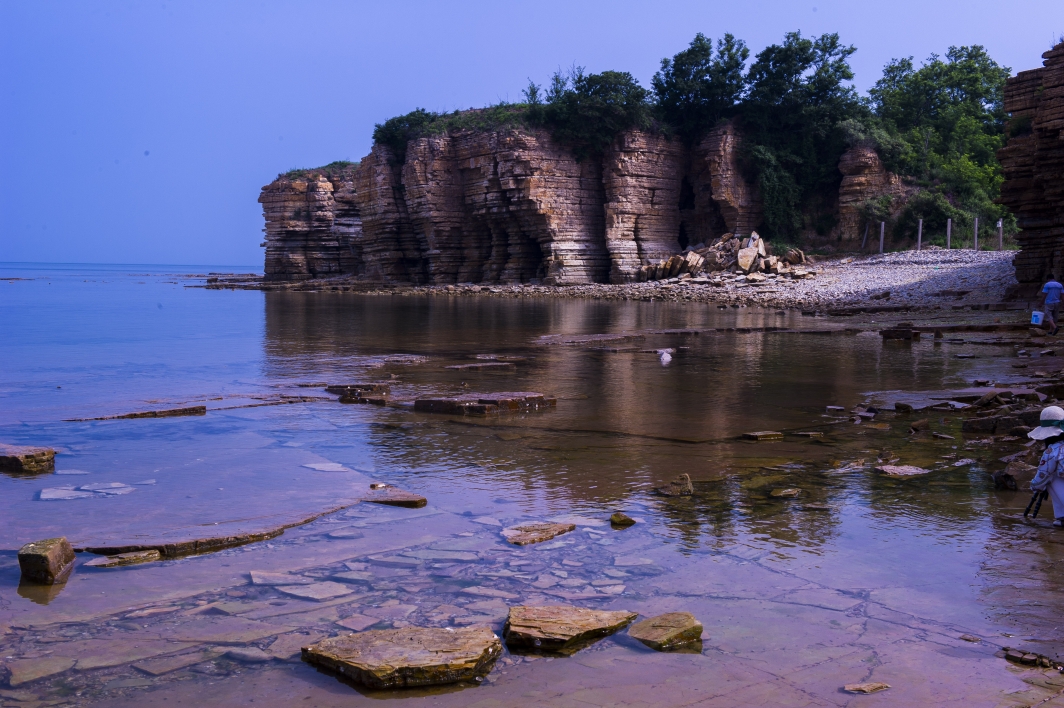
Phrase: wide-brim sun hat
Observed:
(1050, 424)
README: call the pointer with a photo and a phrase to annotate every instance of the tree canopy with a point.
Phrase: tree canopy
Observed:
(938, 125)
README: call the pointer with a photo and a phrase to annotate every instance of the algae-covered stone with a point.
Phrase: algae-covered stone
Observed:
(47, 562)
(124, 559)
(901, 470)
(621, 520)
(667, 631)
(27, 460)
(561, 629)
(679, 487)
(412, 656)
(535, 533)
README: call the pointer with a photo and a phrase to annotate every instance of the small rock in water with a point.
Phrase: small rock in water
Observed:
(535, 533)
(763, 435)
(46, 562)
(788, 493)
(561, 629)
(412, 656)
(679, 487)
(621, 520)
(970, 638)
(903, 407)
(871, 687)
(667, 631)
(27, 460)
(901, 470)
(393, 496)
(249, 655)
(918, 425)
(121, 559)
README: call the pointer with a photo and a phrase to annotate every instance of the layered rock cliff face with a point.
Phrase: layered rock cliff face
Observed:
(863, 178)
(312, 224)
(507, 206)
(1033, 164)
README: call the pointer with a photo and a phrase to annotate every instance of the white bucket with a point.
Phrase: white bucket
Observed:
(1036, 317)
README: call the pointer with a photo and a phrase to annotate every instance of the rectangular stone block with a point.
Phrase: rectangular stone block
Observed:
(28, 460)
(46, 562)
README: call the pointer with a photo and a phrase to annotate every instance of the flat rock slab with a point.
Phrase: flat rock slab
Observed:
(26, 460)
(870, 687)
(393, 496)
(24, 671)
(164, 413)
(288, 646)
(46, 562)
(763, 435)
(788, 493)
(316, 591)
(561, 629)
(408, 657)
(224, 630)
(168, 664)
(901, 470)
(261, 577)
(357, 622)
(124, 559)
(535, 533)
(667, 631)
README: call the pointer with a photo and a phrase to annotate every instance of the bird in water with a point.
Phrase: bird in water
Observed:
(665, 355)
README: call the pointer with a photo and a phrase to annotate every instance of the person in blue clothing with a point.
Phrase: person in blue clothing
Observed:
(1051, 301)
(1050, 475)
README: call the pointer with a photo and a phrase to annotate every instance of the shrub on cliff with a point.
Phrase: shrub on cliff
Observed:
(395, 133)
(588, 111)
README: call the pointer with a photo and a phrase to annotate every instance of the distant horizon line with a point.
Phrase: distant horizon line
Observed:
(255, 268)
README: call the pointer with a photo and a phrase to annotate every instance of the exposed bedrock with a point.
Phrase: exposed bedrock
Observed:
(863, 178)
(506, 206)
(1033, 165)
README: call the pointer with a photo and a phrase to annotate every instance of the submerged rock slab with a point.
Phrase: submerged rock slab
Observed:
(23, 671)
(535, 533)
(165, 413)
(901, 470)
(562, 629)
(870, 687)
(326, 590)
(408, 657)
(667, 631)
(26, 460)
(125, 559)
(763, 435)
(46, 562)
(393, 496)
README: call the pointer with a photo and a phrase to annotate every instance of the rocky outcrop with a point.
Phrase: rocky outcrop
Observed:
(864, 178)
(1033, 166)
(506, 206)
(312, 224)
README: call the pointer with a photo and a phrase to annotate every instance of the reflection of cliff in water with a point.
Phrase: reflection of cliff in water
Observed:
(624, 423)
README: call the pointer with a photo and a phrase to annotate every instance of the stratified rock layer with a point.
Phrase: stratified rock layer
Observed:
(312, 224)
(560, 629)
(1033, 165)
(865, 178)
(506, 206)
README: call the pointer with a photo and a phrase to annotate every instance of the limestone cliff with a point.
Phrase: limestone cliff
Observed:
(1033, 165)
(510, 205)
(312, 224)
(863, 178)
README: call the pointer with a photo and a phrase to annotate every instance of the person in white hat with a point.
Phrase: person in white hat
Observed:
(1050, 475)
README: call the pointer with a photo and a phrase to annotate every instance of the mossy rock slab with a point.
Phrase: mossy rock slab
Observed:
(408, 657)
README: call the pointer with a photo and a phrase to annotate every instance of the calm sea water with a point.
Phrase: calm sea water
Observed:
(86, 342)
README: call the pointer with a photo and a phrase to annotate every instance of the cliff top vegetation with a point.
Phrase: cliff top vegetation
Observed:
(333, 169)
(938, 125)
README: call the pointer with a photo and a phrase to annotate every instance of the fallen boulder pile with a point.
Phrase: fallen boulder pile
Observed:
(748, 255)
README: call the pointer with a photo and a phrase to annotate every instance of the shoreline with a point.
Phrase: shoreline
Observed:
(901, 281)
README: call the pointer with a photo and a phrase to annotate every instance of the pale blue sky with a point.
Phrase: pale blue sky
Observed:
(141, 132)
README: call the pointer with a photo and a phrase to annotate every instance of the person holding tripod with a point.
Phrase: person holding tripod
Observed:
(1049, 480)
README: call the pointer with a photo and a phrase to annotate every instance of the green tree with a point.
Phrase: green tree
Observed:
(798, 95)
(588, 111)
(695, 89)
